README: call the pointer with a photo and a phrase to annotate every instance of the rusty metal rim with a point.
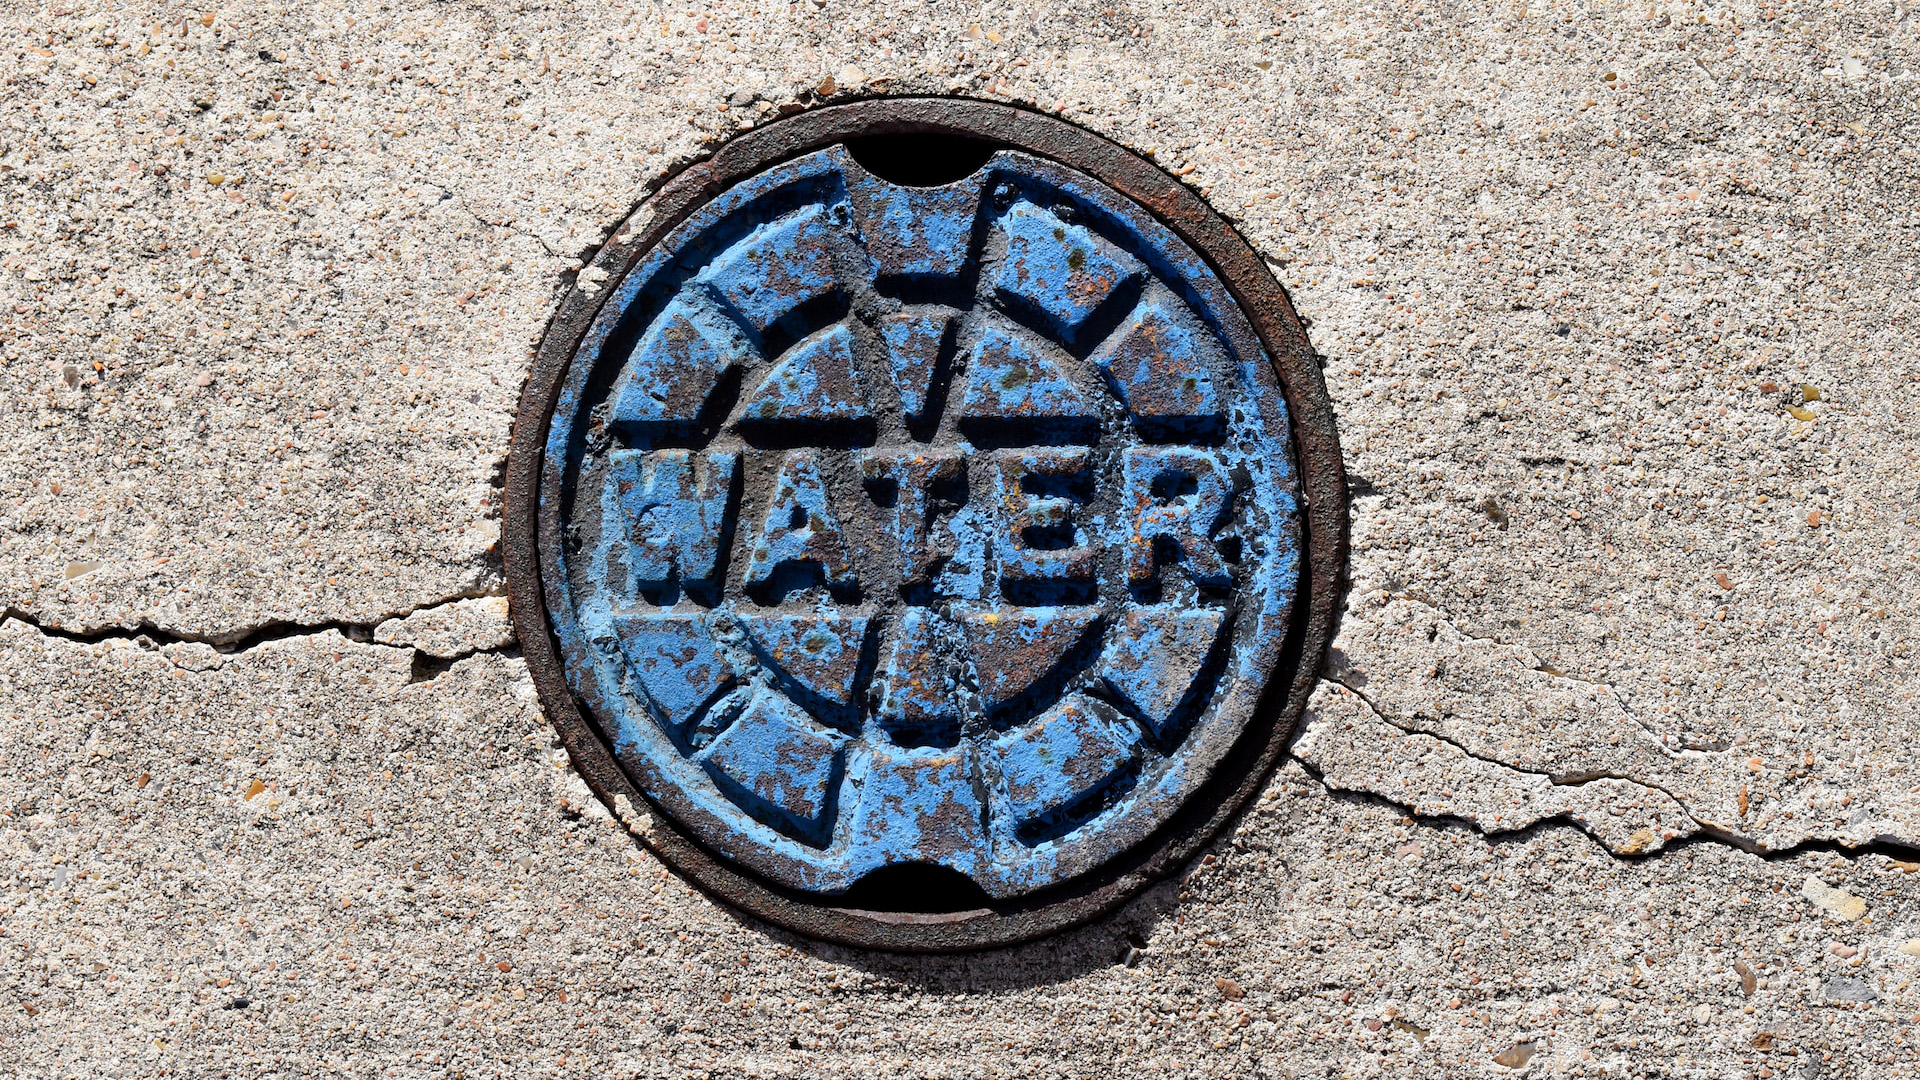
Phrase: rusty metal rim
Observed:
(1316, 444)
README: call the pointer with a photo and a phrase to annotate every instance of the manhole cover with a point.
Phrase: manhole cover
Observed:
(907, 511)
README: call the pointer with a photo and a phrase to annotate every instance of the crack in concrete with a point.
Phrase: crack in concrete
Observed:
(1892, 847)
(230, 642)
(1888, 847)
(1567, 818)
(460, 202)
(1453, 624)
(1556, 779)
(429, 666)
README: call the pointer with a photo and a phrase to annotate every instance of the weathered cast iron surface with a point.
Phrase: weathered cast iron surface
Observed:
(991, 526)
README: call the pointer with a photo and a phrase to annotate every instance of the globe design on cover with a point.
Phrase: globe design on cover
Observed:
(952, 525)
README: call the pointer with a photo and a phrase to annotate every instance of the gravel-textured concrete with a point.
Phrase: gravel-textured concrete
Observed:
(405, 877)
(1618, 308)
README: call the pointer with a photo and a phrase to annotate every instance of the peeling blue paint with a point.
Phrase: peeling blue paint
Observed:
(1061, 270)
(944, 525)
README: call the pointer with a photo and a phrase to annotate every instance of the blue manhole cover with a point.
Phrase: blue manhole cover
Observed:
(954, 527)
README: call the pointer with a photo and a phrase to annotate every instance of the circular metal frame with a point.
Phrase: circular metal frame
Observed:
(1315, 442)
